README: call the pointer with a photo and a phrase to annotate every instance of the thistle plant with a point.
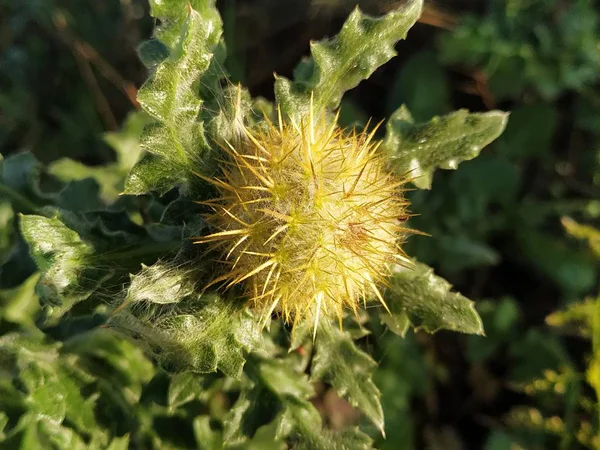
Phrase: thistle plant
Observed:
(308, 218)
(250, 238)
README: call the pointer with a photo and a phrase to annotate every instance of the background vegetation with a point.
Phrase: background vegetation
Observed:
(69, 76)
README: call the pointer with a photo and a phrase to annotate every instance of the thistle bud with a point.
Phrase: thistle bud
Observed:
(308, 219)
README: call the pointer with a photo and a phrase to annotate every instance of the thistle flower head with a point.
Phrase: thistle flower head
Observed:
(308, 219)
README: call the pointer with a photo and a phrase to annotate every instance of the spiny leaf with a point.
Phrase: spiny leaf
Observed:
(64, 260)
(339, 64)
(174, 13)
(191, 334)
(339, 362)
(426, 299)
(171, 97)
(78, 253)
(151, 173)
(443, 142)
(159, 284)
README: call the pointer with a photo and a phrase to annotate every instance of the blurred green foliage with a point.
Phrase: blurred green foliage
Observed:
(60, 86)
(544, 46)
(494, 225)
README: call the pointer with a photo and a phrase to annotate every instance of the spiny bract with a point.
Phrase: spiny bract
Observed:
(308, 218)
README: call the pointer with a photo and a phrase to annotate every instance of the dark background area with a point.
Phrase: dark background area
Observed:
(69, 72)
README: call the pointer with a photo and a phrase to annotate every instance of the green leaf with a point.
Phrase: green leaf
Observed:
(66, 169)
(171, 97)
(151, 173)
(274, 393)
(79, 252)
(52, 388)
(3, 423)
(159, 284)
(15, 263)
(41, 432)
(199, 334)
(398, 322)
(80, 196)
(349, 438)
(22, 178)
(152, 52)
(20, 304)
(19, 183)
(68, 275)
(417, 150)
(498, 440)
(107, 355)
(426, 299)
(110, 177)
(120, 443)
(7, 218)
(183, 388)
(339, 64)
(126, 141)
(206, 437)
(535, 351)
(174, 13)
(339, 362)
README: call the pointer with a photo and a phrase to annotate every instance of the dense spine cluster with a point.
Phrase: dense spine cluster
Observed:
(308, 219)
